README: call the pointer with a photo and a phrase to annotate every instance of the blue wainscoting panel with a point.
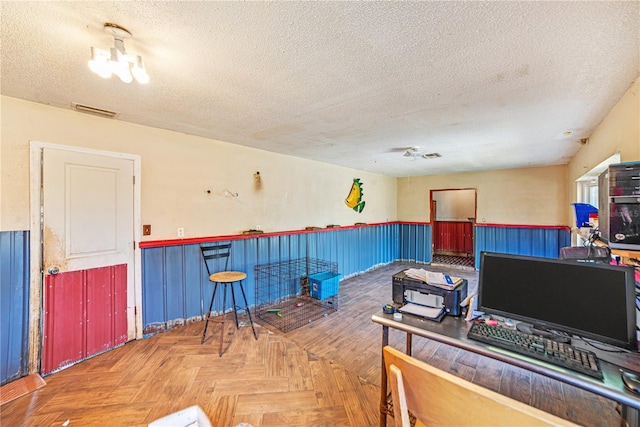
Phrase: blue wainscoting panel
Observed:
(329, 244)
(266, 251)
(415, 242)
(349, 247)
(369, 239)
(382, 243)
(174, 282)
(249, 248)
(194, 273)
(390, 243)
(14, 305)
(176, 288)
(311, 244)
(284, 251)
(534, 241)
(153, 289)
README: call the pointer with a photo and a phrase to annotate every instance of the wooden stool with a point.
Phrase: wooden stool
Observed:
(224, 279)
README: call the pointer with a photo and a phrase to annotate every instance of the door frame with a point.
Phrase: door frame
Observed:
(433, 212)
(36, 274)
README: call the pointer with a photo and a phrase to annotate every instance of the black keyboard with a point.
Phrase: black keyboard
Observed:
(540, 348)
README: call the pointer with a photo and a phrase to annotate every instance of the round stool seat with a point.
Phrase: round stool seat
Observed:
(227, 276)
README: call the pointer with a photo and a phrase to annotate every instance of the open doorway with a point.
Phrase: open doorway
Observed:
(453, 215)
(593, 188)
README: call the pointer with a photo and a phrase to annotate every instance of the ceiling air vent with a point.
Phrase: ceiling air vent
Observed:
(93, 110)
(416, 152)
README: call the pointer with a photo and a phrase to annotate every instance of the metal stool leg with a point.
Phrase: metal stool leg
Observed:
(224, 301)
(235, 306)
(208, 314)
(246, 305)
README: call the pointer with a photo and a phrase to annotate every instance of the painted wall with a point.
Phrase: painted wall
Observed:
(455, 205)
(533, 196)
(184, 177)
(618, 132)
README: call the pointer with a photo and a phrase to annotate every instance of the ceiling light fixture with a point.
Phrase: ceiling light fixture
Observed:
(115, 60)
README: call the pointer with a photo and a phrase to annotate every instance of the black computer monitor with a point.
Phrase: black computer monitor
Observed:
(590, 300)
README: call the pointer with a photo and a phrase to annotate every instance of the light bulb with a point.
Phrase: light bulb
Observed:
(98, 63)
(125, 74)
(139, 71)
(100, 68)
(119, 66)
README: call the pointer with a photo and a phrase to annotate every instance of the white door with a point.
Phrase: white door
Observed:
(88, 255)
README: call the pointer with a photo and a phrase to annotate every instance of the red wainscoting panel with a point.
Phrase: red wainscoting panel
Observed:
(119, 286)
(99, 310)
(454, 236)
(85, 314)
(63, 340)
(106, 308)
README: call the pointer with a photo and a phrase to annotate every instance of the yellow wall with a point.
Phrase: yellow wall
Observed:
(178, 169)
(618, 132)
(533, 196)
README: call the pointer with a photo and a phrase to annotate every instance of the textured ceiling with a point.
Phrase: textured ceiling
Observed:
(488, 85)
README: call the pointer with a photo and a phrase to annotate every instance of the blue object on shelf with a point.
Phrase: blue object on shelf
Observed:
(324, 285)
(582, 213)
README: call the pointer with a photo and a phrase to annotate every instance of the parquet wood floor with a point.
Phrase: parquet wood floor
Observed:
(349, 338)
(325, 373)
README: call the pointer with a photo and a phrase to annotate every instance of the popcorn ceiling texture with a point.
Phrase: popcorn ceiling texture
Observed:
(488, 85)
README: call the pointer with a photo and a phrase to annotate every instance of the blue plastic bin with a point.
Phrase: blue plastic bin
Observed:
(324, 285)
(582, 213)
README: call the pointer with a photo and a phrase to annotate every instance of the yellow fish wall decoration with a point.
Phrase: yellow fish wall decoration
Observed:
(354, 199)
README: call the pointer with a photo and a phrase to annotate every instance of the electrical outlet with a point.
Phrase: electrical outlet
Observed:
(180, 232)
(146, 230)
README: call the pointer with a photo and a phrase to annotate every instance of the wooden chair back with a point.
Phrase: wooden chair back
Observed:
(437, 398)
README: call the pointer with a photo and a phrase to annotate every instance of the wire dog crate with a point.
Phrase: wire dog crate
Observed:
(296, 292)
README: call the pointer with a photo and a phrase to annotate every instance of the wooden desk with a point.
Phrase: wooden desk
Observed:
(625, 254)
(453, 331)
